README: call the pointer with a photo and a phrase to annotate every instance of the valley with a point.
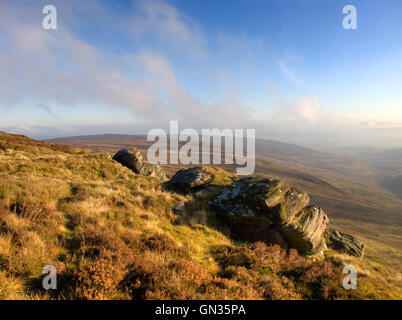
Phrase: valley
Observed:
(114, 234)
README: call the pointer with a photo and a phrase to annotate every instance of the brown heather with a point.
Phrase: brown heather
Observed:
(112, 235)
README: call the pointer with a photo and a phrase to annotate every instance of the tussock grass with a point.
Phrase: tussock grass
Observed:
(112, 235)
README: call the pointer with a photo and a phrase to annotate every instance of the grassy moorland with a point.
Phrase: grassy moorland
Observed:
(113, 235)
(349, 189)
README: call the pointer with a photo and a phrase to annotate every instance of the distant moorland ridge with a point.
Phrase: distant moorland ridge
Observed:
(115, 234)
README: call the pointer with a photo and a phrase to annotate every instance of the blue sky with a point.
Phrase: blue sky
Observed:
(285, 66)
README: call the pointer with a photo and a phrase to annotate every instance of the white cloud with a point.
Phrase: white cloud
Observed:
(169, 26)
(60, 68)
(308, 109)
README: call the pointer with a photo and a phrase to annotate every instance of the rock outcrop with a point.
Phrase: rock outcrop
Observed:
(190, 179)
(272, 211)
(345, 243)
(134, 160)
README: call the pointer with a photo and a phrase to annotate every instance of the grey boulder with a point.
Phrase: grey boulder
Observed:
(345, 243)
(134, 160)
(191, 179)
(272, 211)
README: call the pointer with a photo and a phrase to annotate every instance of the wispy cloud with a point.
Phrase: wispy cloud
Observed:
(66, 71)
(46, 108)
(169, 26)
(70, 71)
(289, 73)
(287, 65)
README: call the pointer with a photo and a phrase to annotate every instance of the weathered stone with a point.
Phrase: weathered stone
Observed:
(267, 197)
(293, 201)
(192, 178)
(305, 231)
(134, 160)
(272, 211)
(252, 228)
(345, 243)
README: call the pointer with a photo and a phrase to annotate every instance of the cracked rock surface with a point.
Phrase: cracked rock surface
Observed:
(272, 211)
(345, 243)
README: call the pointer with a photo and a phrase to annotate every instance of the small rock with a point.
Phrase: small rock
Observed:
(345, 243)
(179, 208)
(189, 179)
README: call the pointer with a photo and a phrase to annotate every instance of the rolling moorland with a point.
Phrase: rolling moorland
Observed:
(112, 234)
(358, 188)
(352, 185)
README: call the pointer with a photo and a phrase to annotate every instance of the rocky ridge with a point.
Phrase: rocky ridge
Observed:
(267, 210)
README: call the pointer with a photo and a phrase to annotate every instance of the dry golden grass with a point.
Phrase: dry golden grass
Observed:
(112, 235)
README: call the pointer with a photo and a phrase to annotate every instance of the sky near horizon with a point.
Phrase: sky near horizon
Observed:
(283, 67)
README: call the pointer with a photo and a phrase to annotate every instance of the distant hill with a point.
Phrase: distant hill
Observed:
(393, 184)
(104, 142)
(113, 234)
(388, 166)
(347, 186)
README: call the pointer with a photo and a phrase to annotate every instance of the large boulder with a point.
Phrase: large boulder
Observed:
(305, 231)
(272, 211)
(345, 243)
(134, 160)
(191, 179)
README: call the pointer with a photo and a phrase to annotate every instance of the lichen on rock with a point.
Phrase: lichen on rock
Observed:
(272, 211)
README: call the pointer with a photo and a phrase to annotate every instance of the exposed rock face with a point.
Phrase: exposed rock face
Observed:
(190, 179)
(272, 211)
(134, 160)
(305, 232)
(345, 243)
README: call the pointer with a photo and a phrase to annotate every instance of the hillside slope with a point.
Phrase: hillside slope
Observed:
(348, 187)
(112, 234)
